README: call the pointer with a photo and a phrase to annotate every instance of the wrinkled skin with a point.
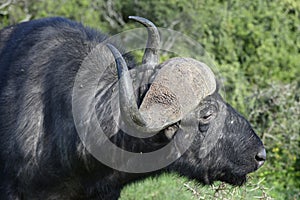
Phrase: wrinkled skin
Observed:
(41, 155)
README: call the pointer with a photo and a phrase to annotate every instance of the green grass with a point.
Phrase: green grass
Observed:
(171, 186)
(164, 187)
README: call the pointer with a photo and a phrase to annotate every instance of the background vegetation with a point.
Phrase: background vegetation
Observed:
(256, 46)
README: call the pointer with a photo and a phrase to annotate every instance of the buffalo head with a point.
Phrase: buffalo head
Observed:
(183, 98)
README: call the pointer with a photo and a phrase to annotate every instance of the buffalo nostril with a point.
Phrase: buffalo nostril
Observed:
(261, 157)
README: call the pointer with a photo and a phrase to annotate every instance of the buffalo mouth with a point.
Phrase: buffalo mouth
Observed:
(210, 178)
(235, 180)
(226, 177)
(235, 177)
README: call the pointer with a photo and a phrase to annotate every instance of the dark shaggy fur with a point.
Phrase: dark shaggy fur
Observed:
(41, 154)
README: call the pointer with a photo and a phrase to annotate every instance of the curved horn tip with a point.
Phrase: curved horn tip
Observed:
(142, 20)
(120, 62)
(114, 50)
(153, 42)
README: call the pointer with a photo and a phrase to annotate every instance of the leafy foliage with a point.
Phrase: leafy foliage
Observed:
(277, 111)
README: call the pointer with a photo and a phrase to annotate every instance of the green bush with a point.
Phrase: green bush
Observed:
(277, 112)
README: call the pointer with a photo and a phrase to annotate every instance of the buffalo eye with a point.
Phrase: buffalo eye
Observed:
(207, 114)
(205, 117)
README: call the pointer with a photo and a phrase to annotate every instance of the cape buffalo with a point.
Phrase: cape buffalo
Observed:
(43, 155)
